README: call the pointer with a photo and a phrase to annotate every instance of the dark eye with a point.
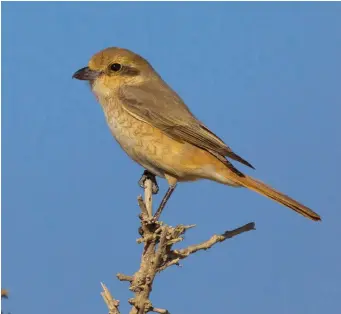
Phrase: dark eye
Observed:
(115, 67)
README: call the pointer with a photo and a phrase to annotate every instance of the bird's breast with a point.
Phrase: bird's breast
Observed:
(139, 139)
(155, 150)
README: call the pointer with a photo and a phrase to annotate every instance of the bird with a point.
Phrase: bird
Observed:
(156, 129)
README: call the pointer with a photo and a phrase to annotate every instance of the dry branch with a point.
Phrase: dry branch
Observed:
(148, 186)
(158, 239)
(214, 240)
(122, 277)
(111, 303)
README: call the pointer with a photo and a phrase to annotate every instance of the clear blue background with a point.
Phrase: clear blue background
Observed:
(264, 77)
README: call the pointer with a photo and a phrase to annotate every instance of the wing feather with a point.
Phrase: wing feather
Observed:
(157, 104)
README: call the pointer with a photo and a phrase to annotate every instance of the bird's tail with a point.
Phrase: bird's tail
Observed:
(277, 196)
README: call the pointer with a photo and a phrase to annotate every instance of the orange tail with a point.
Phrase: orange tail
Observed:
(279, 197)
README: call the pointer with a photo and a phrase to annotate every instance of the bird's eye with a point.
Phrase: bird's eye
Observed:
(115, 67)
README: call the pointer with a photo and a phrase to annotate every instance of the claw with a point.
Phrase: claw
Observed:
(147, 175)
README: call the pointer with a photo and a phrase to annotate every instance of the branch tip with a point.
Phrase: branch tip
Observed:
(123, 277)
(111, 303)
(160, 311)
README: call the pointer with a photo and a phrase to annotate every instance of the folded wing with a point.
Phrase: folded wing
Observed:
(157, 104)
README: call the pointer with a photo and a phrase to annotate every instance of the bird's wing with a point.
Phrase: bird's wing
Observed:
(158, 105)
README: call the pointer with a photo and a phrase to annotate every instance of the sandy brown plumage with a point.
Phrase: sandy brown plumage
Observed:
(156, 129)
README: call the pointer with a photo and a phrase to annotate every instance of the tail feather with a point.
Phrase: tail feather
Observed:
(277, 196)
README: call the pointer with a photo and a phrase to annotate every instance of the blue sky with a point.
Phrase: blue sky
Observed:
(264, 77)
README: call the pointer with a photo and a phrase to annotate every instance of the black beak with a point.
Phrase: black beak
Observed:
(86, 74)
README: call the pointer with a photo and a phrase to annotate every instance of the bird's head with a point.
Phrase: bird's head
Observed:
(113, 67)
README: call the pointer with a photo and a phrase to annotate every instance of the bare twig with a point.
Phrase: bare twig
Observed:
(158, 240)
(148, 192)
(214, 240)
(161, 311)
(173, 261)
(142, 205)
(111, 303)
(122, 277)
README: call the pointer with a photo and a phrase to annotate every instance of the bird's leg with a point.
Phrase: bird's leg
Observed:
(148, 175)
(164, 202)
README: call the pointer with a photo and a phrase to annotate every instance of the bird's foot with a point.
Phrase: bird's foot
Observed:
(148, 175)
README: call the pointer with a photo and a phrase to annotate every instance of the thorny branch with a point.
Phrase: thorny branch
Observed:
(158, 240)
